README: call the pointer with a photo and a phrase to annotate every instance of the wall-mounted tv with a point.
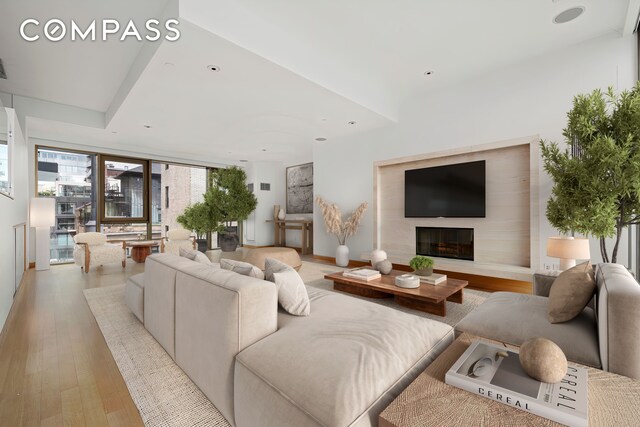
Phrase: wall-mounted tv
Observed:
(453, 191)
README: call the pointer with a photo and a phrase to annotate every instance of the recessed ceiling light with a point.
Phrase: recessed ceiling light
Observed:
(323, 119)
(428, 73)
(147, 126)
(113, 131)
(321, 139)
(264, 149)
(568, 15)
(352, 122)
(169, 64)
(213, 68)
(244, 161)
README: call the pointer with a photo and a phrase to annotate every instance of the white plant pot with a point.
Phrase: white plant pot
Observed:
(342, 256)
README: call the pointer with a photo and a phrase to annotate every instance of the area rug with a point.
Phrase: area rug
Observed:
(162, 392)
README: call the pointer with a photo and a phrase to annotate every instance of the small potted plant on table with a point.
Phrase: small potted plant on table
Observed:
(422, 265)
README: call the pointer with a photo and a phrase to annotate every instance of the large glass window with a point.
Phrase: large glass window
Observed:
(124, 190)
(70, 178)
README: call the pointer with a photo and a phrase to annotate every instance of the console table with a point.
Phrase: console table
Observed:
(280, 228)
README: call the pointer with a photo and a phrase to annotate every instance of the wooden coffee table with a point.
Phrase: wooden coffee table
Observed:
(140, 250)
(614, 400)
(428, 298)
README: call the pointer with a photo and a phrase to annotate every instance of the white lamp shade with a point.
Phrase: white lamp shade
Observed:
(568, 248)
(42, 212)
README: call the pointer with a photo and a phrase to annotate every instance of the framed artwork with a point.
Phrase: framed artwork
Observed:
(300, 189)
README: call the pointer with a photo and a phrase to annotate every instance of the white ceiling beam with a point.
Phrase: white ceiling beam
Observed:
(631, 20)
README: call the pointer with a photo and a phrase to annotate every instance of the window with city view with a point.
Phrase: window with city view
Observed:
(68, 177)
(72, 178)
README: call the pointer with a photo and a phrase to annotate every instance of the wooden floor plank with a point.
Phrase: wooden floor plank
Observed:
(55, 367)
(72, 413)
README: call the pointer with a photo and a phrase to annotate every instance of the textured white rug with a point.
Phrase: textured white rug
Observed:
(164, 395)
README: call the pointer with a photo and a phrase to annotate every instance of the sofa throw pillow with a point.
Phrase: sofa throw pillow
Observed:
(570, 293)
(241, 267)
(195, 255)
(272, 265)
(292, 293)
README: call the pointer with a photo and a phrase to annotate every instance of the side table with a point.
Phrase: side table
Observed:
(140, 250)
(613, 400)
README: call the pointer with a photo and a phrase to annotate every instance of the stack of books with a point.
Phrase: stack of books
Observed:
(362, 274)
(495, 373)
(433, 279)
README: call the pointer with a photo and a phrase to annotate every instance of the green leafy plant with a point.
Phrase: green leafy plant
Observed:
(596, 179)
(227, 199)
(420, 262)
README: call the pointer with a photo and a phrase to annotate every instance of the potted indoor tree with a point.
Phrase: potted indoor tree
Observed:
(200, 219)
(231, 200)
(227, 199)
(595, 179)
(422, 265)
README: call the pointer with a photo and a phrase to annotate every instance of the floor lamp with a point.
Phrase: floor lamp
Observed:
(42, 216)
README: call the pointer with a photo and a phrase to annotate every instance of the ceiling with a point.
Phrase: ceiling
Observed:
(291, 70)
(83, 74)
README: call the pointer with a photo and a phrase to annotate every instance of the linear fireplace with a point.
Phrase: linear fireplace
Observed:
(456, 243)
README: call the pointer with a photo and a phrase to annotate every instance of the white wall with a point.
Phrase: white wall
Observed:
(257, 231)
(12, 212)
(520, 100)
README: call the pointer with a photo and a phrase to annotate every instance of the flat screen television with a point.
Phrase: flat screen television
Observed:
(450, 191)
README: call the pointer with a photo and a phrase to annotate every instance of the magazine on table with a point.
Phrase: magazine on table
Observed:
(362, 274)
(494, 372)
(433, 279)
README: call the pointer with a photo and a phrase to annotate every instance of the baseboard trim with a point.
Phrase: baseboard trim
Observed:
(331, 260)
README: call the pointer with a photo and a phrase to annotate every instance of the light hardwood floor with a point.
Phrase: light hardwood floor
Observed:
(55, 367)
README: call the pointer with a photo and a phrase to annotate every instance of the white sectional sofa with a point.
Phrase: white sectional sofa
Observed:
(339, 366)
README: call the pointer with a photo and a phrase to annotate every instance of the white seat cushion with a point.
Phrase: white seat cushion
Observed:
(339, 366)
(100, 254)
(90, 238)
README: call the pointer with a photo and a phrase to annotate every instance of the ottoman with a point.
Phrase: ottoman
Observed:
(134, 295)
(286, 255)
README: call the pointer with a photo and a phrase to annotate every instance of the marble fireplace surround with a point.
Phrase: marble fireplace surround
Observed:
(506, 240)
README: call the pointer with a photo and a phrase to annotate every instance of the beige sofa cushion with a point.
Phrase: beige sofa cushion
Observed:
(195, 255)
(618, 314)
(134, 295)
(514, 318)
(241, 267)
(340, 366)
(218, 314)
(570, 293)
(292, 293)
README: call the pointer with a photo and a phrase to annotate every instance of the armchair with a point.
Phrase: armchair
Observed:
(93, 249)
(176, 239)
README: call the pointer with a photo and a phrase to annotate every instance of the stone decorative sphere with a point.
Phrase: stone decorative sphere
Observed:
(384, 266)
(377, 255)
(543, 360)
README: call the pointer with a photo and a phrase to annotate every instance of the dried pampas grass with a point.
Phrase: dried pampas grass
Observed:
(333, 219)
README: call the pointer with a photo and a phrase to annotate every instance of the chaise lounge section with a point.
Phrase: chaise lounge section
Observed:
(605, 338)
(339, 366)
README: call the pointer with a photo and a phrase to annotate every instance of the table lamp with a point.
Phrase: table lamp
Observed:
(42, 216)
(568, 249)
